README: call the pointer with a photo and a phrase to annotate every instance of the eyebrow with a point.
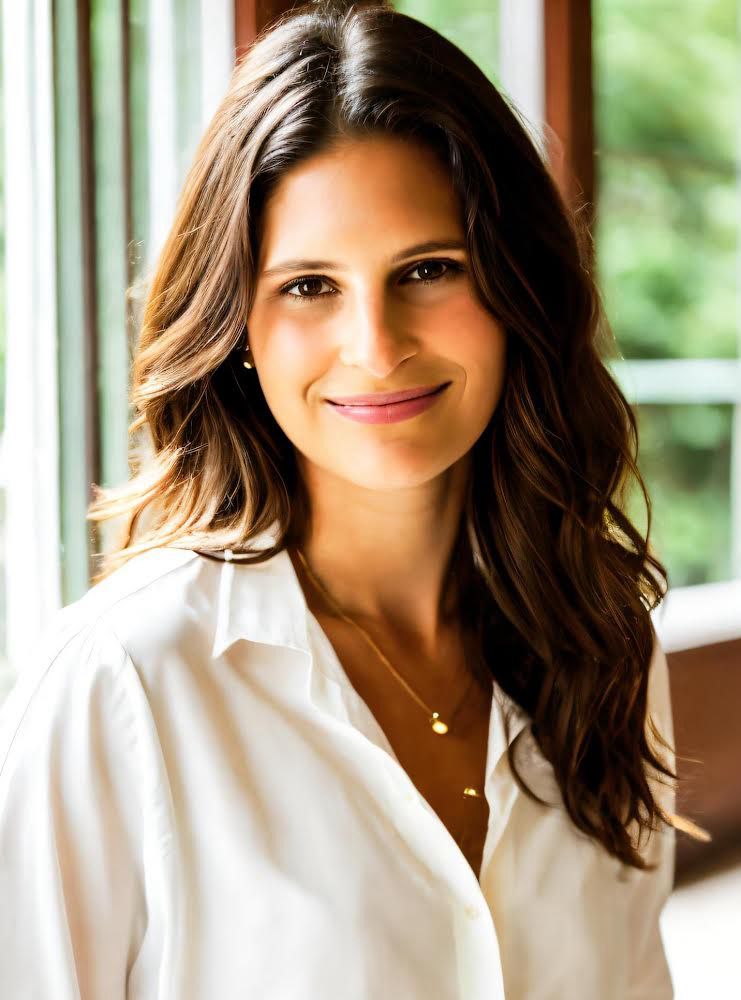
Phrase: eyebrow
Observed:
(305, 264)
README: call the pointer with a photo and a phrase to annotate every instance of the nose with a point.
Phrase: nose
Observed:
(374, 339)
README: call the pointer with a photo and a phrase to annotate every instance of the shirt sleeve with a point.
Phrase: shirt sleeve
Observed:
(72, 806)
(649, 977)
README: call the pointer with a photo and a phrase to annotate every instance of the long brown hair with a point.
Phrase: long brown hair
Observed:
(563, 583)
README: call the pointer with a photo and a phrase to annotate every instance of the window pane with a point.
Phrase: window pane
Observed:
(666, 79)
(667, 260)
(138, 132)
(188, 76)
(109, 133)
(685, 460)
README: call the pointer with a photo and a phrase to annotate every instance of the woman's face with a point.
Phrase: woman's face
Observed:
(341, 308)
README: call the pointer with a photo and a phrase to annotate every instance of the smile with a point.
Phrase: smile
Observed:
(389, 413)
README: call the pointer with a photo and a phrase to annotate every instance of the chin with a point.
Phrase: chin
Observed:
(387, 474)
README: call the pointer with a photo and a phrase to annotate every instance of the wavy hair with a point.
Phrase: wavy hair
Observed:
(557, 581)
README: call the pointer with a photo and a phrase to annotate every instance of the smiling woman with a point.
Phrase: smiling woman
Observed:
(366, 701)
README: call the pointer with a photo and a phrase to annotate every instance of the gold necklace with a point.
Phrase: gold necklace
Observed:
(438, 725)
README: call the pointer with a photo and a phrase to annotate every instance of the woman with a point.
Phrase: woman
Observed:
(372, 706)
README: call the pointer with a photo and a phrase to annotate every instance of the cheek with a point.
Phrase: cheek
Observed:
(287, 357)
(490, 351)
(482, 354)
(477, 342)
(289, 365)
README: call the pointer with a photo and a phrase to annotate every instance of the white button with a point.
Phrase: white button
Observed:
(471, 910)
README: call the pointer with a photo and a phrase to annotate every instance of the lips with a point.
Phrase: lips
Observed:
(390, 413)
(384, 398)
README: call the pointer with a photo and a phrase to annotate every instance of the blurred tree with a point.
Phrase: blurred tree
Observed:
(666, 86)
(666, 79)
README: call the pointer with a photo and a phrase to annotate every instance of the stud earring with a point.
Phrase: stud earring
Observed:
(245, 352)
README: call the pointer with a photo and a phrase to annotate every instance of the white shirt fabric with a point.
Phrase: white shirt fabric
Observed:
(195, 804)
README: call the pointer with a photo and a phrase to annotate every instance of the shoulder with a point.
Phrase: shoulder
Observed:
(148, 589)
(84, 795)
(153, 602)
(83, 662)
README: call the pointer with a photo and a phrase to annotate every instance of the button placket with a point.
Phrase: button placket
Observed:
(412, 801)
(414, 811)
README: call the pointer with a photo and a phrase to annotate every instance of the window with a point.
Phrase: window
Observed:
(103, 105)
(666, 114)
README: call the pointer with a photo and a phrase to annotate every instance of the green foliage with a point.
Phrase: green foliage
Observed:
(667, 259)
(666, 79)
(685, 459)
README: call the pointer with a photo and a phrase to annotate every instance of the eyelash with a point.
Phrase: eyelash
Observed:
(453, 269)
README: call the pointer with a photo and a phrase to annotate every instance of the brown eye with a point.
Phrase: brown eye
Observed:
(452, 268)
(429, 265)
(310, 281)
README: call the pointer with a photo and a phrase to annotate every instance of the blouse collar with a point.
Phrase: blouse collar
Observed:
(264, 602)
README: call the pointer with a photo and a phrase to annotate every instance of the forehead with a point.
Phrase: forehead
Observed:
(384, 187)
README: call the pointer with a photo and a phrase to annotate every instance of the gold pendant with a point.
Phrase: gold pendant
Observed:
(438, 725)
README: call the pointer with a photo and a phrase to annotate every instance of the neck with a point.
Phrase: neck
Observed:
(385, 557)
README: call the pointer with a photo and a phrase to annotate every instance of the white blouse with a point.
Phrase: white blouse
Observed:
(195, 804)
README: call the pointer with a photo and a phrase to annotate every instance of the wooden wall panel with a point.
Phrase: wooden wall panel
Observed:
(706, 700)
(251, 16)
(567, 30)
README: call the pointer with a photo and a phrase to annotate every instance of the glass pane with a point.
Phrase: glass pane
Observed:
(473, 25)
(666, 80)
(108, 84)
(138, 132)
(685, 460)
(188, 77)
